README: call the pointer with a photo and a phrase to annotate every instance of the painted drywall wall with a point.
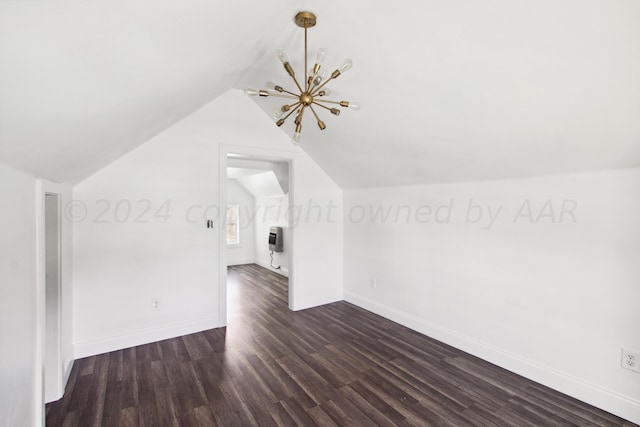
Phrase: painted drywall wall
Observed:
(17, 299)
(272, 211)
(243, 253)
(161, 248)
(537, 275)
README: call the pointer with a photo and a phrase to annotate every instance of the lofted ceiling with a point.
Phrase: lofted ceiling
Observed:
(84, 82)
(452, 90)
(258, 183)
(261, 178)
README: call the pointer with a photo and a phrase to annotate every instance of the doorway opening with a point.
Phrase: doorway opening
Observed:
(53, 297)
(255, 202)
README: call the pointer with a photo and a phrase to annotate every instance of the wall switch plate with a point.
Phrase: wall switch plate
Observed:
(631, 360)
(155, 304)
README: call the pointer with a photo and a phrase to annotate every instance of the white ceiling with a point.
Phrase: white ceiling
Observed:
(83, 82)
(260, 184)
(235, 173)
(452, 90)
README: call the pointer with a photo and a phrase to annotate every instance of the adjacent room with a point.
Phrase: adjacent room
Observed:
(338, 213)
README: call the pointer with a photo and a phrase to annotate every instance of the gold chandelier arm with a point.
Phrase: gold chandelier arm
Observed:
(344, 104)
(323, 106)
(333, 102)
(321, 124)
(291, 93)
(298, 121)
(314, 112)
(297, 84)
(305, 56)
(292, 73)
(282, 120)
(312, 86)
(334, 111)
(277, 95)
(286, 108)
(316, 90)
(300, 115)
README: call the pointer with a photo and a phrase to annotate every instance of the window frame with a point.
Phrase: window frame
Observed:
(237, 224)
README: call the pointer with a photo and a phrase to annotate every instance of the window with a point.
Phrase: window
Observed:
(233, 225)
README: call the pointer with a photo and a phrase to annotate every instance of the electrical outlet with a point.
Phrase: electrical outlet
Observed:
(631, 360)
(373, 284)
(155, 304)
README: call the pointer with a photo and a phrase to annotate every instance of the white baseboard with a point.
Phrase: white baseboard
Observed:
(143, 336)
(608, 400)
(240, 261)
(282, 271)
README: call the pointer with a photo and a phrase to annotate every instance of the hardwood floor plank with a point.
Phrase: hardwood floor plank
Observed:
(204, 417)
(300, 416)
(281, 416)
(378, 401)
(334, 365)
(373, 413)
(321, 418)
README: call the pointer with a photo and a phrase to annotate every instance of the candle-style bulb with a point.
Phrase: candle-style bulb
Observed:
(277, 114)
(320, 56)
(318, 78)
(354, 106)
(270, 85)
(346, 66)
(295, 140)
(251, 92)
(283, 57)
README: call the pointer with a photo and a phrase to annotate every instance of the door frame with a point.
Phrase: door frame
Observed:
(259, 154)
(43, 188)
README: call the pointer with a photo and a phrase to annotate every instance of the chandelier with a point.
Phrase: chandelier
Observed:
(312, 92)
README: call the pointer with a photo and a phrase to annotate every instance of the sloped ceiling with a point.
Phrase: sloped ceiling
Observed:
(261, 184)
(82, 83)
(451, 90)
(472, 90)
(239, 166)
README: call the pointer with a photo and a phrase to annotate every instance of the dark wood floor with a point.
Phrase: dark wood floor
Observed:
(331, 365)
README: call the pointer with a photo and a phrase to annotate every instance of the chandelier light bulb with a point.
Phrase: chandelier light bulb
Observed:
(354, 106)
(283, 57)
(251, 92)
(277, 114)
(346, 66)
(318, 78)
(321, 55)
(295, 140)
(270, 85)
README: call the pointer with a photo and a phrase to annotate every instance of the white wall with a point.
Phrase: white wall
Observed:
(549, 298)
(243, 253)
(272, 212)
(120, 264)
(17, 299)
